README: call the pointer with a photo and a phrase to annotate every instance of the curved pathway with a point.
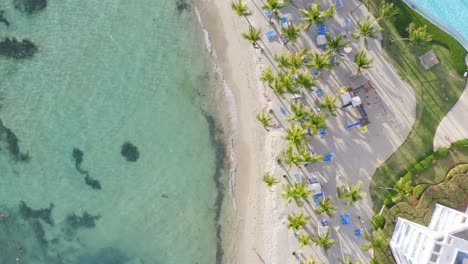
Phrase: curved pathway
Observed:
(454, 126)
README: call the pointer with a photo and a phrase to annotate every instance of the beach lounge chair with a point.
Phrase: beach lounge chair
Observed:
(271, 35)
(358, 232)
(322, 132)
(345, 219)
(310, 149)
(324, 222)
(321, 29)
(339, 4)
(346, 23)
(309, 132)
(321, 40)
(283, 112)
(317, 198)
(284, 21)
(268, 14)
(317, 107)
(312, 179)
(299, 177)
(329, 158)
(315, 73)
(319, 91)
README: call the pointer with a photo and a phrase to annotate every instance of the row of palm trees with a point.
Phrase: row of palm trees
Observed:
(293, 74)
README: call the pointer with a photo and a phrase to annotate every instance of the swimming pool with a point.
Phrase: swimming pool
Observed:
(448, 15)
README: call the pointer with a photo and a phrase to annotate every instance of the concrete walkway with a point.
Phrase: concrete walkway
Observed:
(454, 126)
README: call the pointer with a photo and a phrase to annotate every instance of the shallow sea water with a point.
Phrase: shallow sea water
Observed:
(108, 72)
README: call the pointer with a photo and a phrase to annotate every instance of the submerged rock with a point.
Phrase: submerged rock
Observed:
(78, 156)
(183, 5)
(95, 184)
(104, 256)
(10, 47)
(85, 221)
(29, 213)
(3, 19)
(130, 152)
(12, 141)
(30, 6)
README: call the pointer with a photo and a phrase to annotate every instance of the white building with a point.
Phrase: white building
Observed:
(444, 241)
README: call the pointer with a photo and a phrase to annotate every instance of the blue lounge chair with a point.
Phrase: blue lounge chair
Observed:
(322, 132)
(347, 23)
(319, 91)
(358, 232)
(312, 179)
(317, 107)
(268, 14)
(271, 35)
(309, 132)
(324, 222)
(283, 112)
(345, 219)
(321, 29)
(329, 157)
(299, 177)
(284, 19)
(317, 198)
(305, 62)
(310, 149)
(315, 73)
(339, 4)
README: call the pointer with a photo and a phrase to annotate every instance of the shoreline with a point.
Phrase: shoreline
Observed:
(243, 147)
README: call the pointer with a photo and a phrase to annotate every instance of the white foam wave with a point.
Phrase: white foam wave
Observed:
(231, 108)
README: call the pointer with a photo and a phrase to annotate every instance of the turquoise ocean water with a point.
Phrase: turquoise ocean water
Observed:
(107, 72)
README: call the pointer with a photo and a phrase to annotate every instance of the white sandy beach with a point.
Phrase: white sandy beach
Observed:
(262, 235)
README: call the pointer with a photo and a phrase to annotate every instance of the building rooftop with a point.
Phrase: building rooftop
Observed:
(443, 241)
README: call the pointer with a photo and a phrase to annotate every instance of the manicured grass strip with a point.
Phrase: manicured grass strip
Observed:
(436, 91)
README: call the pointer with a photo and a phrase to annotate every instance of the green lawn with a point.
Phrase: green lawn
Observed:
(436, 90)
(435, 186)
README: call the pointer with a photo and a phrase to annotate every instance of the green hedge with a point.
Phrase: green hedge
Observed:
(378, 222)
(461, 143)
(441, 153)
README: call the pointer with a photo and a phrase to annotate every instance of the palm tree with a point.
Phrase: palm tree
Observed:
(336, 44)
(362, 61)
(326, 207)
(267, 75)
(419, 33)
(288, 82)
(269, 180)
(296, 60)
(350, 193)
(301, 193)
(265, 120)
(300, 112)
(320, 61)
(308, 157)
(305, 79)
(347, 260)
(274, 6)
(324, 242)
(282, 60)
(387, 10)
(330, 12)
(329, 103)
(241, 9)
(315, 121)
(278, 86)
(304, 240)
(376, 240)
(253, 36)
(416, 34)
(297, 221)
(365, 29)
(291, 32)
(309, 260)
(295, 134)
(289, 157)
(312, 15)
